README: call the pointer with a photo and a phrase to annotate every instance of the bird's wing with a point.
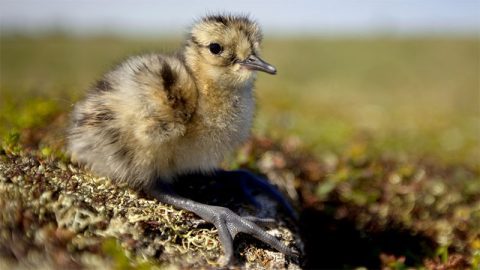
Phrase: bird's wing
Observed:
(156, 96)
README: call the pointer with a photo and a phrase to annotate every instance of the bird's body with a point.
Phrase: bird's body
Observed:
(156, 117)
(148, 119)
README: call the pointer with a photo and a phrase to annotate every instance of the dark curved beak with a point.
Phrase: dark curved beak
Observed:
(254, 62)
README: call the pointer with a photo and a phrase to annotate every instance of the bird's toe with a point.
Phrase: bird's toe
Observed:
(230, 224)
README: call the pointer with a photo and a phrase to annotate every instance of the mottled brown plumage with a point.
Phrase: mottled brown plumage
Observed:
(155, 116)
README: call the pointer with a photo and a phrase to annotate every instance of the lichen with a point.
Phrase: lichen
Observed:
(90, 222)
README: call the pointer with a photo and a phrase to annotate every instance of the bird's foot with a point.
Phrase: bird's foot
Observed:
(228, 224)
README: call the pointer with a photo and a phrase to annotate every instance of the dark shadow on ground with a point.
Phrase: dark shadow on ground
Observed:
(332, 243)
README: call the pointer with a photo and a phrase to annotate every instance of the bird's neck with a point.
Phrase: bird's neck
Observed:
(216, 89)
(219, 102)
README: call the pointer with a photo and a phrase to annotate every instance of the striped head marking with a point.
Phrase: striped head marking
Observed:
(226, 47)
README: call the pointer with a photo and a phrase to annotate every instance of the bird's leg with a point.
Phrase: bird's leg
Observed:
(226, 221)
(248, 180)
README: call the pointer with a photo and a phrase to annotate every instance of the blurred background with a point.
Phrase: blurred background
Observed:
(382, 97)
(403, 75)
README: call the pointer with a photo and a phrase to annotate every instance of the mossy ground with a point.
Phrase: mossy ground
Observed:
(376, 140)
(57, 216)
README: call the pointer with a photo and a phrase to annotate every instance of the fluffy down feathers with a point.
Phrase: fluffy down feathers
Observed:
(156, 116)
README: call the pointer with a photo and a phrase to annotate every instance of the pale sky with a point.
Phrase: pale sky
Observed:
(328, 17)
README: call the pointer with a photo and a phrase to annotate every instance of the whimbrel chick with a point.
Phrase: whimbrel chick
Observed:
(155, 117)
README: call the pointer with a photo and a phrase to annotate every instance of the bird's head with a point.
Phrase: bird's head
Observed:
(225, 49)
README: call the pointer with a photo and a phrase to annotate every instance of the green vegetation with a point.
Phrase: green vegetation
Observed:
(388, 131)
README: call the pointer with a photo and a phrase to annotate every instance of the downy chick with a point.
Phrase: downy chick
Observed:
(155, 117)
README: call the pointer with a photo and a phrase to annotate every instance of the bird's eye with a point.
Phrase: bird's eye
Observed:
(215, 48)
